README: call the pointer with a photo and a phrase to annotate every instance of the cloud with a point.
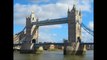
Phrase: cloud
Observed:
(42, 12)
(51, 11)
(91, 25)
(38, 1)
(52, 26)
(46, 37)
(54, 34)
(86, 37)
(83, 5)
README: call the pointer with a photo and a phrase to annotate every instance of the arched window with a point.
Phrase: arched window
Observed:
(79, 39)
(33, 18)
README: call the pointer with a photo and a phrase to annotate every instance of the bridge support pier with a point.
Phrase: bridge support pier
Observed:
(65, 47)
(27, 48)
(81, 50)
(75, 49)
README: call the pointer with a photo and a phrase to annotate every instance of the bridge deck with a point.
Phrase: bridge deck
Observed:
(51, 22)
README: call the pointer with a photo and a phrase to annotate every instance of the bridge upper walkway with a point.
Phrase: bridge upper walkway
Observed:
(51, 22)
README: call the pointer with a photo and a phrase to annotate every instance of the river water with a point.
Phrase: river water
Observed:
(52, 55)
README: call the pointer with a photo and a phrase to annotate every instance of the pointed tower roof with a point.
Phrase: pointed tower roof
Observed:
(74, 7)
(79, 12)
(68, 10)
(32, 14)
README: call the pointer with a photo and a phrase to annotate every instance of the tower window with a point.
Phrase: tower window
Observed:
(33, 18)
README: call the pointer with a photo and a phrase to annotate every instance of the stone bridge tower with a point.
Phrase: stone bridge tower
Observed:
(31, 30)
(74, 27)
(74, 33)
(31, 35)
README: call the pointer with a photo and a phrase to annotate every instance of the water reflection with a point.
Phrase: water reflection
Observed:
(52, 55)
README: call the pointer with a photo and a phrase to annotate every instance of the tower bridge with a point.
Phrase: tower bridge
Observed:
(73, 45)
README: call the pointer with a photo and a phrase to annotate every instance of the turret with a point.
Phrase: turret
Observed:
(74, 8)
(32, 16)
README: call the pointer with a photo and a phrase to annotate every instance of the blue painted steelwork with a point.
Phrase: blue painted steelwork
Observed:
(51, 22)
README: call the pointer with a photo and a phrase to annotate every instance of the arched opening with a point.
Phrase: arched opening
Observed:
(33, 41)
(79, 39)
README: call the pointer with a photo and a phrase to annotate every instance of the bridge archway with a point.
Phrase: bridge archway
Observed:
(33, 41)
(53, 34)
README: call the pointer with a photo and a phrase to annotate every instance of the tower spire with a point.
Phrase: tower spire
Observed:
(68, 9)
(75, 3)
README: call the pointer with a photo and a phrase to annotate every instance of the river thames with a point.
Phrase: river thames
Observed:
(53, 55)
